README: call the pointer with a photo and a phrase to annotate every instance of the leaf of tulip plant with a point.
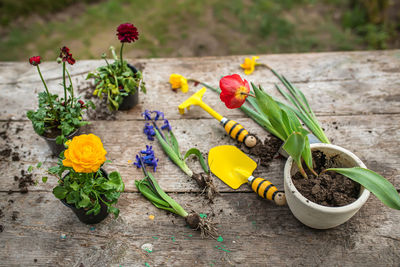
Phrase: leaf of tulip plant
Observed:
(373, 182)
(294, 146)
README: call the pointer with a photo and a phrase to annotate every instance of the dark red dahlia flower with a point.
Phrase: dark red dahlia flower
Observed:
(234, 90)
(34, 60)
(127, 33)
(65, 55)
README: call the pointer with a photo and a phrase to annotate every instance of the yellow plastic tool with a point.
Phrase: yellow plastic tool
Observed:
(234, 129)
(235, 168)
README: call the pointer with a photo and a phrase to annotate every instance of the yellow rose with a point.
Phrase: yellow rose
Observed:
(249, 65)
(85, 153)
(178, 81)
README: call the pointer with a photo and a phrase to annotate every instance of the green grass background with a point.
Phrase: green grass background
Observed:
(196, 28)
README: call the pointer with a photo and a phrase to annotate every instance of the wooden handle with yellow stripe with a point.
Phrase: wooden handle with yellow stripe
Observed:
(266, 189)
(237, 132)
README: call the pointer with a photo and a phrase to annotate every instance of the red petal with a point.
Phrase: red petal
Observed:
(229, 84)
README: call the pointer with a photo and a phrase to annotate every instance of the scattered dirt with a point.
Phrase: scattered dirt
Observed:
(14, 215)
(264, 151)
(24, 181)
(101, 112)
(206, 182)
(328, 189)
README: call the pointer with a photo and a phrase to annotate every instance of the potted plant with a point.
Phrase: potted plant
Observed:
(315, 165)
(119, 81)
(58, 118)
(83, 185)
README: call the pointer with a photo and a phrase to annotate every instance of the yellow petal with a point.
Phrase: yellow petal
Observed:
(184, 85)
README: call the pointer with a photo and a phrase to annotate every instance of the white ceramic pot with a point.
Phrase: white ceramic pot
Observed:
(315, 215)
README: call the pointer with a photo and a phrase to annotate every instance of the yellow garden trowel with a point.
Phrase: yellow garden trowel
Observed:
(235, 168)
(234, 129)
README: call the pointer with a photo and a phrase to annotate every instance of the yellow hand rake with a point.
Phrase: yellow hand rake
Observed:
(234, 129)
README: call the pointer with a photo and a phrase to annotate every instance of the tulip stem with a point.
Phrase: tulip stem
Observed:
(248, 94)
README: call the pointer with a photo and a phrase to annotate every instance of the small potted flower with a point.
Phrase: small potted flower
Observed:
(119, 81)
(58, 118)
(316, 182)
(83, 185)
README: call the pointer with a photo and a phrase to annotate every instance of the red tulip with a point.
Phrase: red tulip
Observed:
(34, 60)
(234, 91)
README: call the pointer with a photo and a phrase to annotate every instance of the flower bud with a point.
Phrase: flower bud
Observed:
(59, 60)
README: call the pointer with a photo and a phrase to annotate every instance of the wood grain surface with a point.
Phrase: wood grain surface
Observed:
(356, 96)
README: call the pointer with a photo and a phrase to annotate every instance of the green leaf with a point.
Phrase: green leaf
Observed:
(115, 179)
(75, 186)
(85, 200)
(373, 182)
(96, 208)
(73, 197)
(113, 210)
(175, 144)
(30, 168)
(271, 110)
(195, 151)
(39, 165)
(60, 192)
(44, 179)
(146, 189)
(294, 146)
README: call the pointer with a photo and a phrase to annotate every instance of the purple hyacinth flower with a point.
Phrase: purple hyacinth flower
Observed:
(147, 115)
(166, 126)
(158, 115)
(149, 131)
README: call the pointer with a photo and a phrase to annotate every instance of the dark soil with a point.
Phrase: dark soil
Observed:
(53, 133)
(24, 181)
(264, 151)
(328, 189)
(14, 215)
(206, 182)
(101, 112)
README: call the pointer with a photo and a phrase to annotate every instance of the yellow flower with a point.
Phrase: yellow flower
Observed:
(178, 81)
(85, 153)
(67, 143)
(249, 65)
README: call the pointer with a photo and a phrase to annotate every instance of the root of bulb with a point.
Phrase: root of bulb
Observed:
(206, 182)
(205, 226)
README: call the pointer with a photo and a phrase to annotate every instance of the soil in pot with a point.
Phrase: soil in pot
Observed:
(51, 136)
(328, 189)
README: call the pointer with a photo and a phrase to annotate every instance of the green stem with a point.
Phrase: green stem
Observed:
(65, 87)
(72, 88)
(45, 86)
(120, 57)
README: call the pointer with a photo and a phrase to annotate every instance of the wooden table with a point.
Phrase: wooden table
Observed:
(356, 96)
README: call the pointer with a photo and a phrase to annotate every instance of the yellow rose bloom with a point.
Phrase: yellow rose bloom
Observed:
(178, 81)
(85, 153)
(249, 65)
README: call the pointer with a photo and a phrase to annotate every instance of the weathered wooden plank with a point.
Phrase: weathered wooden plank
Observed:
(334, 83)
(374, 138)
(326, 66)
(255, 232)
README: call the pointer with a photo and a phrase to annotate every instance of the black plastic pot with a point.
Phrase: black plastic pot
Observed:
(130, 100)
(55, 148)
(81, 213)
